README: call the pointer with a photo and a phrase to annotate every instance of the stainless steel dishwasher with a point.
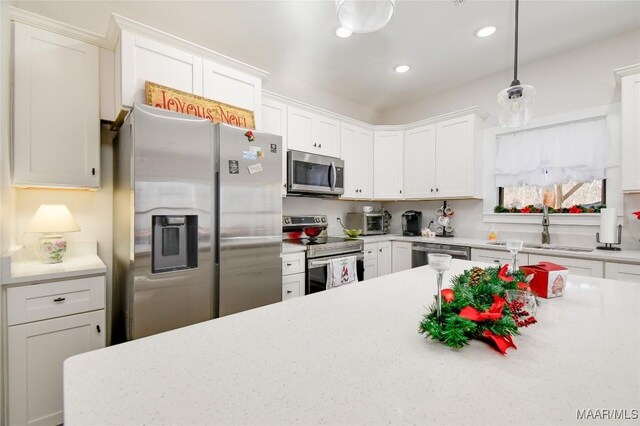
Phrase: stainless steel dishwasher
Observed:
(419, 252)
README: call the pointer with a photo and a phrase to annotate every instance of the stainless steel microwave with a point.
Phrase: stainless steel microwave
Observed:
(314, 174)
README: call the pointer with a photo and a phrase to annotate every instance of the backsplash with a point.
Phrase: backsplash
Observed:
(332, 208)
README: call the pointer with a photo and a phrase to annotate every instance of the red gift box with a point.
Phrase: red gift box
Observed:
(549, 279)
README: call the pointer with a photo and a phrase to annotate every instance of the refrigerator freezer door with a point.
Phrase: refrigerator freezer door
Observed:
(173, 281)
(250, 215)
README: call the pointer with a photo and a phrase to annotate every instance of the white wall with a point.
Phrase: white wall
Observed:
(573, 80)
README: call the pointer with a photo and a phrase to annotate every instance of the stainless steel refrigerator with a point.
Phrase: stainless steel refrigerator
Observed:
(197, 221)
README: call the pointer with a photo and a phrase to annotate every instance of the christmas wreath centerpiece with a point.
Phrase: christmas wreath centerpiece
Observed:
(475, 308)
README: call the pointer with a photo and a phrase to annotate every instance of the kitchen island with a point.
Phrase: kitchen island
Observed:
(353, 355)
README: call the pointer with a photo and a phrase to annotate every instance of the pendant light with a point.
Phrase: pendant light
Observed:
(364, 16)
(515, 103)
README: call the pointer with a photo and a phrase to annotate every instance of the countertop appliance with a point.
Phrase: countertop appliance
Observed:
(321, 249)
(411, 223)
(419, 252)
(314, 175)
(370, 223)
(196, 231)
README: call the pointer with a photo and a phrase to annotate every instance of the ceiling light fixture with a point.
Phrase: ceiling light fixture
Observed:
(402, 69)
(343, 32)
(486, 31)
(364, 16)
(515, 103)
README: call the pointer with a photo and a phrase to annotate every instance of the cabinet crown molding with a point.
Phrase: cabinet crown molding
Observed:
(61, 28)
(119, 22)
(625, 71)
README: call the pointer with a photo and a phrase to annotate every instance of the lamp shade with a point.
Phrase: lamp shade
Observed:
(515, 105)
(50, 218)
(364, 16)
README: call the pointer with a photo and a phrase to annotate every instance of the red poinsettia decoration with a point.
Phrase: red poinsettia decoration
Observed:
(575, 209)
(637, 214)
(525, 209)
(447, 295)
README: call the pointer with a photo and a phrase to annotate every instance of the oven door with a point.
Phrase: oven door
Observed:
(420, 251)
(314, 174)
(317, 271)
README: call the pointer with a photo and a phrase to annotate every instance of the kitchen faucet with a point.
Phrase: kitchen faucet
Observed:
(546, 237)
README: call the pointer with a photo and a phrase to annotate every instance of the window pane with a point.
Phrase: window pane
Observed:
(561, 196)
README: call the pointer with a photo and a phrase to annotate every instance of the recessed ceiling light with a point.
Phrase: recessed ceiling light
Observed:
(486, 31)
(402, 68)
(343, 32)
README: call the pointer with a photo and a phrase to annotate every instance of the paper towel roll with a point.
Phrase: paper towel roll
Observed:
(608, 231)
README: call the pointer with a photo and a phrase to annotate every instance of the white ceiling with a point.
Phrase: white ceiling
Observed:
(295, 39)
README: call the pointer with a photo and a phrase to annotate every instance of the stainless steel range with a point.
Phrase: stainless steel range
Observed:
(320, 249)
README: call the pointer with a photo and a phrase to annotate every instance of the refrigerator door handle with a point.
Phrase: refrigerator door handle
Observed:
(333, 177)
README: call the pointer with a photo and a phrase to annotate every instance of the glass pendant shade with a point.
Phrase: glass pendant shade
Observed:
(515, 105)
(364, 16)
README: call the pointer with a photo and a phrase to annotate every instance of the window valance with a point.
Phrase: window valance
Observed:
(578, 151)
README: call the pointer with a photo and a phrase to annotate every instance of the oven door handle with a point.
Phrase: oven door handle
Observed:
(441, 251)
(316, 263)
(333, 177)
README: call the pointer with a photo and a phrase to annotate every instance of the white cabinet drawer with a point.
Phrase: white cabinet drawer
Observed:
(582, 267)
(293, 286)
(293, 263)
(49, 300)
(622, 272)
(498, 257)
(371, 251)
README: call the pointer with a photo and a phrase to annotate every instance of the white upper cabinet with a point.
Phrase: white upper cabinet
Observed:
(631, 133)
(274, 121)
(143, 59)
(420, 162)
(56, 133)
(455, 151)
(313, 133)
(356, 145)
(387, 164)
(442, 160)
(232, 87)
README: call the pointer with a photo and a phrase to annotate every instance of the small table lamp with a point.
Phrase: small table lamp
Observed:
(52, 220)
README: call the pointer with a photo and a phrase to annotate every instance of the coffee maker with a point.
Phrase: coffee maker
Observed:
(411, 223)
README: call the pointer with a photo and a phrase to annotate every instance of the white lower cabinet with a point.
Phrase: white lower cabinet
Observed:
(622, 272)
(293, 275)
(400, 256)
(377, 259)
(66, 325)
(497, 257)
(582, 267)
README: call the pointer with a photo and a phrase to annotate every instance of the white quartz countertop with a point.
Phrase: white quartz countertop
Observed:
(624, 256)
(352, 355)
(293, 248)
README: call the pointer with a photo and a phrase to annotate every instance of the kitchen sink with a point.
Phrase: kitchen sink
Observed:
(547, 247)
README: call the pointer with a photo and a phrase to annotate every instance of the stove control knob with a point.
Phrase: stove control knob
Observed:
(324, 219)
(317, 220)
(287, 220)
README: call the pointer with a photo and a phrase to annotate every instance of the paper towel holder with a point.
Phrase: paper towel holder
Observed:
(609, 246)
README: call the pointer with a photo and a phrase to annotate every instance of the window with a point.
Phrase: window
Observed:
(561, 196)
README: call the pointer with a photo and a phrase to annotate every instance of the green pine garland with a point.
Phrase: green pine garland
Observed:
(455, 331)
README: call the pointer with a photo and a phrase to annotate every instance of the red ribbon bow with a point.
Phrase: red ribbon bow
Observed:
(494, 312)
(502, 273)
(501, 343)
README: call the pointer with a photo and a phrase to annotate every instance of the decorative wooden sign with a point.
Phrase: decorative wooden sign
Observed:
(186, 103)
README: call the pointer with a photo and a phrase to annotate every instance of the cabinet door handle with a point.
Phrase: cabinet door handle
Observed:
(98, 328)
(431, 189)
(437, 190)
(93, 171)
(59, 299)
(380, 250)
(289, 291)
(496, 260)
(289, 264)
(319, 145)
(401, 191)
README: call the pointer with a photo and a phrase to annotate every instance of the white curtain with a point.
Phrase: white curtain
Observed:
(578, 151)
